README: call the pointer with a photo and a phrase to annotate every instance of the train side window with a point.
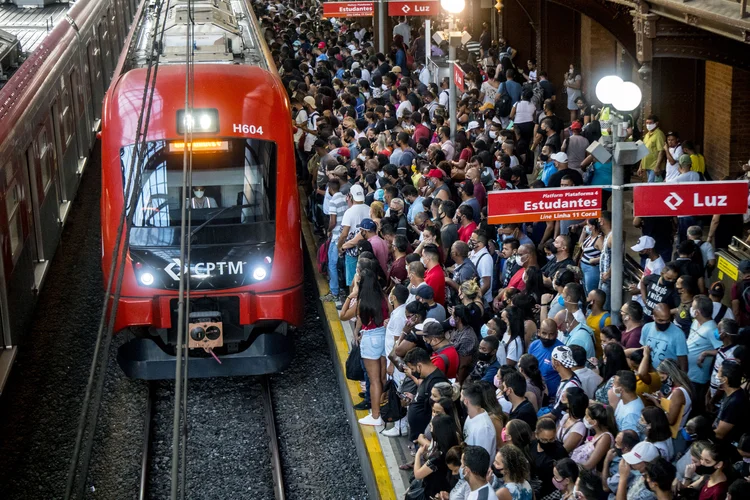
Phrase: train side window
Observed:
(66, 116)
(13, 209)
(75, 85)
(43, 151)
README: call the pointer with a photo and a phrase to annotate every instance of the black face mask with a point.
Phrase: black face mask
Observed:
(704, 470)
(662, 327)
(548, 342)
(484, 356)
(543, 157)
(618, 451)
(667, 283)
(428, 348)
(497, 472)
(548, 447)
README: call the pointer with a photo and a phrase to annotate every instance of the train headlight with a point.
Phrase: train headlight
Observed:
(259, 273)
(199, 120)
(147, 279)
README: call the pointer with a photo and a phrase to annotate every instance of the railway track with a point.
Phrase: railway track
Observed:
(271, 432)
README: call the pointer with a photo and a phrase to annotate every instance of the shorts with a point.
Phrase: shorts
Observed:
(372, 345)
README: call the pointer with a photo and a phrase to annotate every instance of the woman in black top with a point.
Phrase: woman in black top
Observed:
(429, 462)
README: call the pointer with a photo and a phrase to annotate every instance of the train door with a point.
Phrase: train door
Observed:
(97, 77)
(113, 13)
(43, 176)
(67, 147)
(105, 45)
(79, 117)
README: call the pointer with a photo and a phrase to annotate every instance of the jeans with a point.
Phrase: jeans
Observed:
(606, 287)
(590, 276)
(333, 268)
(651, 176)
(351, 269)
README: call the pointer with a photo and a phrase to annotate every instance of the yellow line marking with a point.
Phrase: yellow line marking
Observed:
(369, 434)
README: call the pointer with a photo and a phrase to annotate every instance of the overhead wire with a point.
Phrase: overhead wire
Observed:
(95, 385)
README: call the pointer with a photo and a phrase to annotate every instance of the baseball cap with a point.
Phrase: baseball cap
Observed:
(340, 170)
(435, 173)
(576, 126)
(564, 356)
(717, 289)
(744, 266)
(355, 65)
(310, 101)
(430, 328)
(424, 292)
(368, 224)
(358, 194)
(642, 452)
(685, 160)
(379, 195)
(559, 157)
(396, 69)
(644, 243)
(345, 152)
(486, 106)
(472, 126)
(322, 45)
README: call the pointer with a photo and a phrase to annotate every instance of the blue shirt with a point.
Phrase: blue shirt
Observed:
(514, 90)
(414, 209)
(583, 336)
(544, 356)
(668, 344)
(491, 371)
(701, 339)
(628, 415)
(547, 170)
(602, 174)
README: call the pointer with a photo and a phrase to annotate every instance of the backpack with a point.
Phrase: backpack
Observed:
(323, 257)
(603, 322)
(391, 409)
(503, 103)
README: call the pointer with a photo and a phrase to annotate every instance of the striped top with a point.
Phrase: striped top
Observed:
(589, 249)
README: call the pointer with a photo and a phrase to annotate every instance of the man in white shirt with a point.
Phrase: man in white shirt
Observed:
(695, 233)
(475, 464)
(403, 29)
(590, 380)
(396, 322)
(478, 428)
(482, 261)
(444, 97)
(673, 148)
(645, 248)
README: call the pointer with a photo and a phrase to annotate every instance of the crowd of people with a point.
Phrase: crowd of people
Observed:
(513, 379)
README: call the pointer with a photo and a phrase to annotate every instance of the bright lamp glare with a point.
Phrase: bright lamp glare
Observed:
(259, 273)
(628, 97)
(205, 122)
(147, 279)
(453, 6)
(607, 88)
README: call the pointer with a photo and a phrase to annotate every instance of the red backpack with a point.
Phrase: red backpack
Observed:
(323, 257)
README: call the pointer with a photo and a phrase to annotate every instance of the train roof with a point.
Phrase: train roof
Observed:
(31, 26)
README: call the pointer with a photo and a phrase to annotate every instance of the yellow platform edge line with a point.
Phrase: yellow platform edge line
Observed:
(369, 434)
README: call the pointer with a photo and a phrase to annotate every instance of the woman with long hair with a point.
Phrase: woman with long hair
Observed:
(571, 431)
(463, 337)
(429, 462)
(518, 433)
(536, 389)
(710, 476)
(564, 476)
(514, 336)
(513, 466)
(523, 114)
(675, 386)
(491, 405)
(533, 281)
(613, 360)
(600, 422)
(443, 392)
(592, 239)
(557, 303)
(655, 426)
(471, 298)
(372, 311)
(525, 303)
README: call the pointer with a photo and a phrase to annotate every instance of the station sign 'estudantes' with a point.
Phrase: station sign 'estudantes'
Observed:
(534, 205)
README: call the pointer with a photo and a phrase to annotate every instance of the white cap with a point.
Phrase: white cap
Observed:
(559, 157)
(419, 327)
(472, 126)
(644, 243)
(642, 452)
(355, 65)
(358, 194)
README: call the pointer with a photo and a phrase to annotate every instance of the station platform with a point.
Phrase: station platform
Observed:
(379, 455)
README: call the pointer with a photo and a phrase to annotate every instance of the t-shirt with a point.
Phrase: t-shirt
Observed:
(689, 176)
(436, 312)
(627, 415)
(551, 267)
(479, 431)
(524, 411)
(654, 267)
(544, 462)
(485, 492)
(596, 323)
(722, 354)
(513, 349)
(654, 141)
(474, 204)
(657, 292)
(544, 356)
(464, 232)
(380, 249)
(483, 263)
(701, 339)
(733, 410)
(590, 380)
(631, 339)
(583, 336)
(419, 412)
(354, 215)
(435, 277)
(448, 236)
(337, 206)
(438, 359)
(668, 344)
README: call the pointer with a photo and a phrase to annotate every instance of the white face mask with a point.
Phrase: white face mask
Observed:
(579, 316)
(519, 260)
(493, 134)
(588, 424)
(198, 193)
(651, 126)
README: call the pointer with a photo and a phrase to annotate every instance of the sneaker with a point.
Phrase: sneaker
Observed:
(394, 431)
(362, 405)
(329, 297)
(369, 420)
(362, 395)
(339, 303)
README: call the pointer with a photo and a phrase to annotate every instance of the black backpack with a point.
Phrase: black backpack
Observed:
(391, 409)
(504, 103)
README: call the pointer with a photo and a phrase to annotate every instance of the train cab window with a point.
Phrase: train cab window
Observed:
(13, 208)
(232, 199)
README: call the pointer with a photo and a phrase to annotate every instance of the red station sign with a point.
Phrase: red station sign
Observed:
(416, 8)
(690, 198)
(534, 205)
(348, 9)
(458, 77)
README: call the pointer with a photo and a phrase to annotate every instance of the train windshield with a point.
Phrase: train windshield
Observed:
(232, 197)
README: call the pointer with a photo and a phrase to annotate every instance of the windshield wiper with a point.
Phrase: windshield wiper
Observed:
(215, 215)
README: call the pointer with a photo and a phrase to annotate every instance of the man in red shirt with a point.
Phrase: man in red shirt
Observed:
(465, 220)
(444, 355)
(434, 276)
(421, 133)
(379, 247)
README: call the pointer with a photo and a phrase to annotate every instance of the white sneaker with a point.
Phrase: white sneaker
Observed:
(395, 431)
(368, 420)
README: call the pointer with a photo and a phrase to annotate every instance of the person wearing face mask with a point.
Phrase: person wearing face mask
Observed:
(599, 421)
(597, 318)
(482, 261)
(655, 430)
(563, 363)
(631, 317)
(419, 366)
(728, 333)
(629, 407)
(510, 264)
(475, 465)
(542, 349)
(511, 464)
(463, 338)
(507, 231)
(731, 421)
(561, 248)
(572, 321)
(659, 476)
(514, 390)
(708, 476)
(564, 477)
(487, 364)
(625, 441)
(653, 164)
(546, 451)
(632, 484)
(463, 269)
(703, 337)
(199, 200)
(660, 289)
(478, 428)
(665, 339)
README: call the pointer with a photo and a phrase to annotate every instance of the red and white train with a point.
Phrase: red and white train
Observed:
(245, 272)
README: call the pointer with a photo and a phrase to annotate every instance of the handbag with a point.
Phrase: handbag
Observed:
(416, 491)
(354, 369)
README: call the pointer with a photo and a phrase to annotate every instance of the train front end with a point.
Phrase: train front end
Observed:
(244, 269)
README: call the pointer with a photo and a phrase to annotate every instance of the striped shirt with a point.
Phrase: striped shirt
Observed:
(337, 206)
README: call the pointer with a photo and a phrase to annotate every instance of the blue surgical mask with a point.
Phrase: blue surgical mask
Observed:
(461, 473)
(561, 301)
(717, 335)
(687, 437)
(484, 331)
